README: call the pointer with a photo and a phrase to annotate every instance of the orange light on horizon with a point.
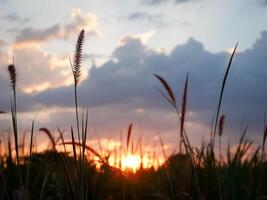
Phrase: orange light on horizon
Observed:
(131, 162)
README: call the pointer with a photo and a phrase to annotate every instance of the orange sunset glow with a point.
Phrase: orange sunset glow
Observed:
(133, 100)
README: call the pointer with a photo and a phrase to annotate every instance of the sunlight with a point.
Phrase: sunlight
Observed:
(131, 162)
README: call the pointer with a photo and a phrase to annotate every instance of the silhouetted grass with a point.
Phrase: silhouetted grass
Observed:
(192, 173)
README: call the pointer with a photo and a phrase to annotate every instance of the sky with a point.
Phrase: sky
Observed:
(126, 42)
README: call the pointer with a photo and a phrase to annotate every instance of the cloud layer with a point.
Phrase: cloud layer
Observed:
(156, 2)
(122, 89)
(263, 2)
(14, 18)
(60, 31)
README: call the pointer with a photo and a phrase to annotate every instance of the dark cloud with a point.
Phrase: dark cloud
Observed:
(143, 16)
(14, 18)
(263, 2)
(153, 2)
(30, 34)
(183, 1)
(156, 2)
(126, 82)
(60, 31)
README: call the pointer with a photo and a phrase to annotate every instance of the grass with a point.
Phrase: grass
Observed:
(81, 172)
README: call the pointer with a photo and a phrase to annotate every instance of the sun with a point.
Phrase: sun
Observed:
(131, 162)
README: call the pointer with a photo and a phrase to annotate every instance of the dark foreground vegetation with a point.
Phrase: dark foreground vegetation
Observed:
(80, 172)
(52, 175)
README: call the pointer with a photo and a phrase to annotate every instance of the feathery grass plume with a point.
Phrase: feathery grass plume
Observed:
(129, 136)
(76, 69)
(12, 75)
(77, 59)
(171, 97)
(50, 136)
(13, 105)
(221, 93)
(183, 112)
(221, 125)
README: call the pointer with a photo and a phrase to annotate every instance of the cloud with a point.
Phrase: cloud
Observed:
(153, 2)
(264, 2)
(125, 83)
(14, 18)
(142, 37)
(60, 31)
(2, 43)
(143, 16)
(40, 65)
(37, 70)
(4, 82)
(156, 2)
(183, 1)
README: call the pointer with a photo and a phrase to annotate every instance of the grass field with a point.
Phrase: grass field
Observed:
(71, 169)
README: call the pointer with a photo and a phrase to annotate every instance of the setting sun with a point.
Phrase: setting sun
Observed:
(131, 162)
(139, 99)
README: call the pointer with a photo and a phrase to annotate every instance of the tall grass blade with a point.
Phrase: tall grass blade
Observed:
(62, 139)
(166, 97)
(31, 139)
(221, 127)
(263, 143)
(74, 149)
(85, 134)
(50, 136)
(221, 94)
(183, 112)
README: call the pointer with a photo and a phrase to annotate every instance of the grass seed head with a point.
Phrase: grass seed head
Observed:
(12, 75)
(77, 60)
